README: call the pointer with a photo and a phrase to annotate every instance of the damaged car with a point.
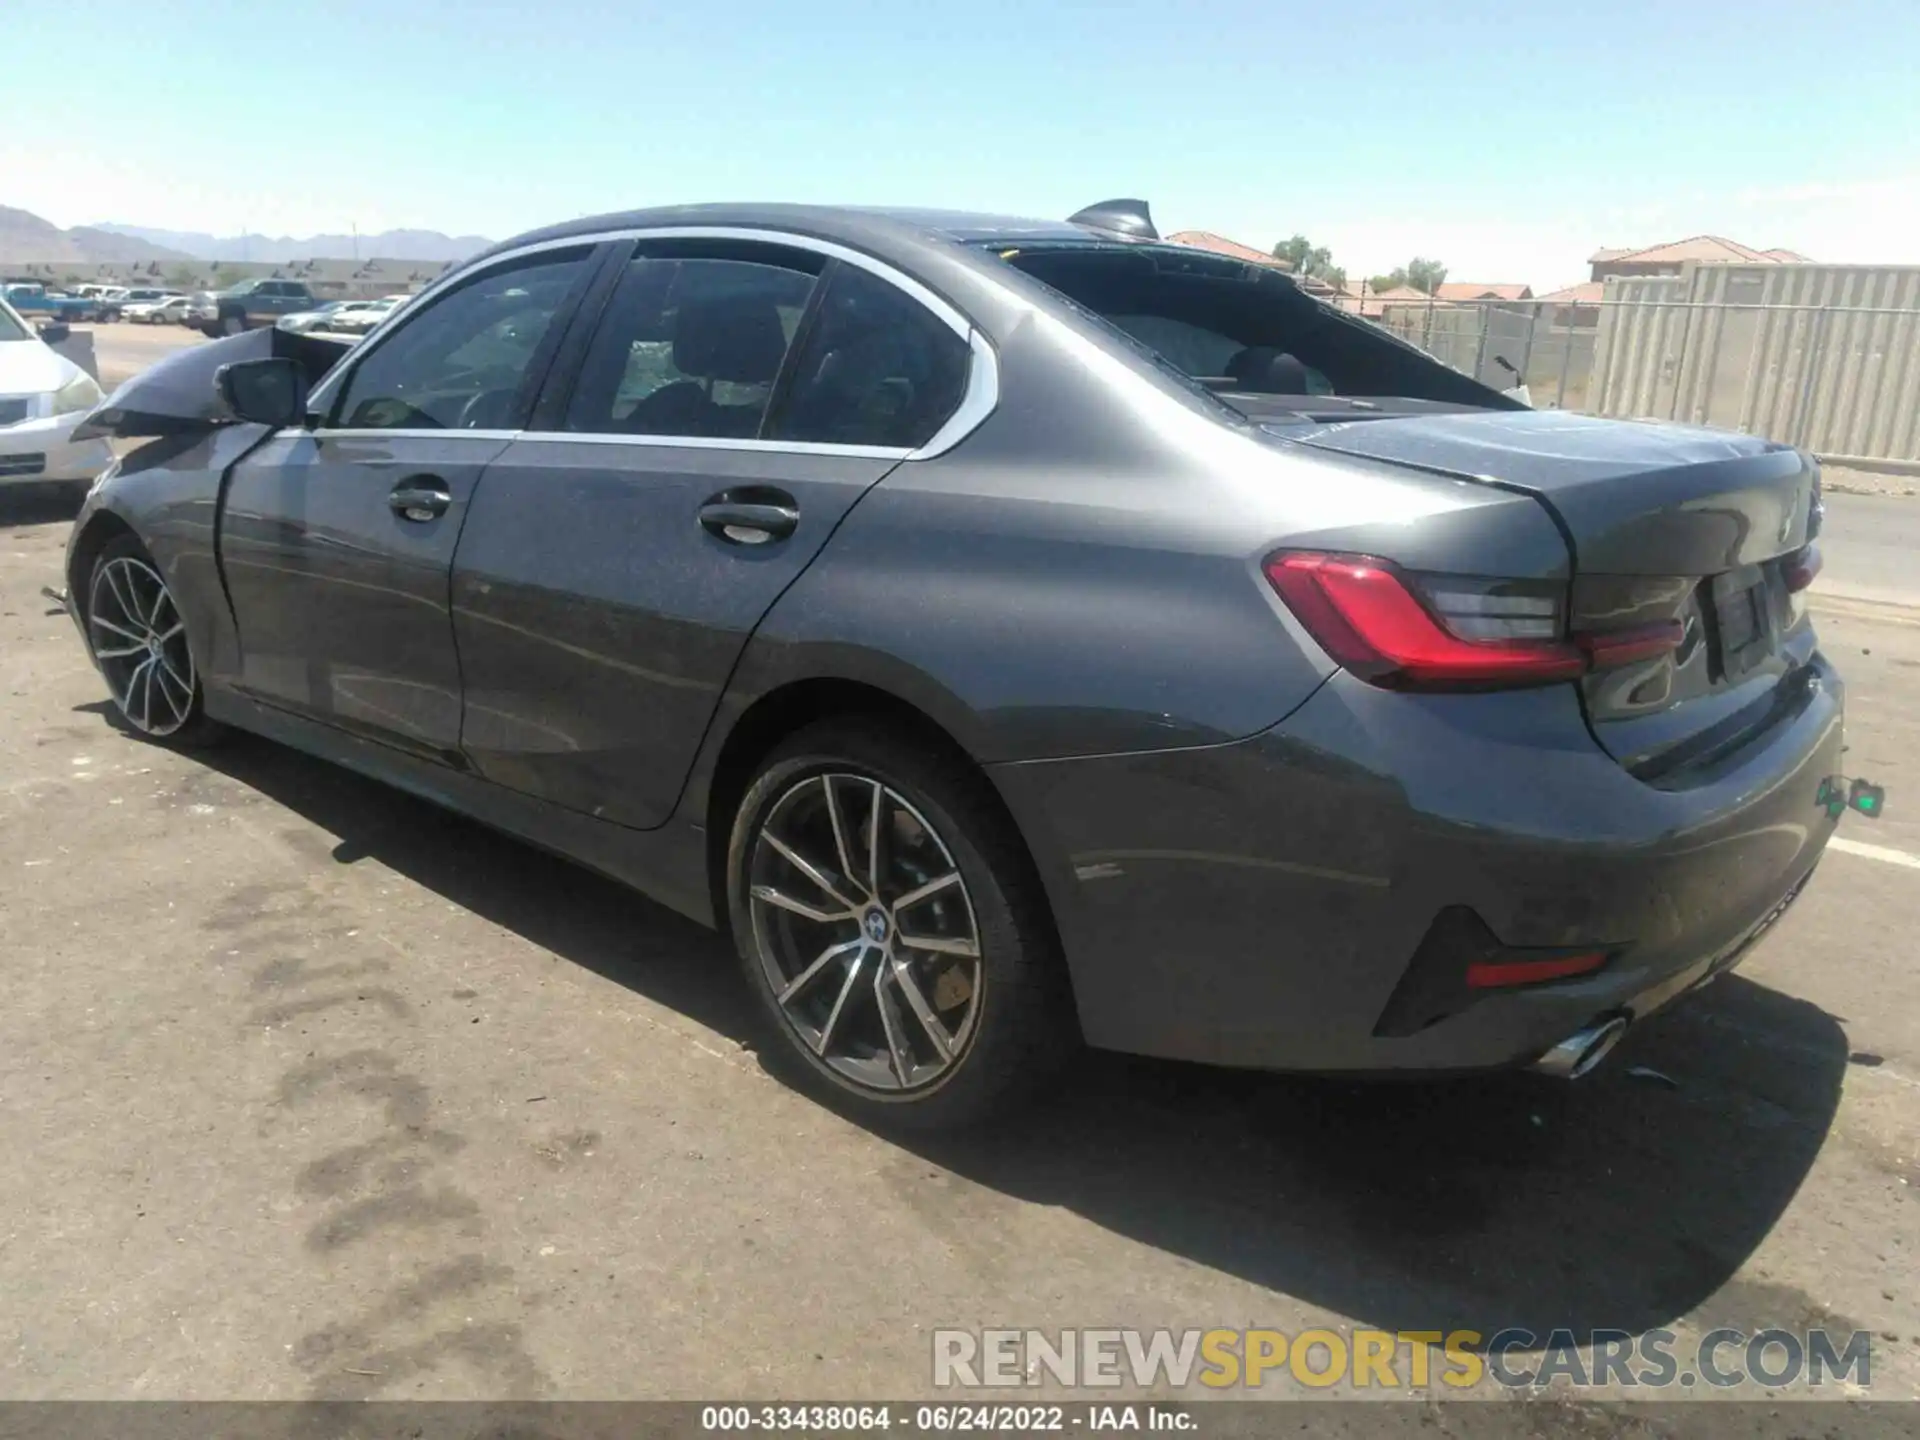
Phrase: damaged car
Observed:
(1011, 633)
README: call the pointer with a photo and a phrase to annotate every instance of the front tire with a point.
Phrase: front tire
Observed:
(233, 324)
(139, 642)
(888, 923)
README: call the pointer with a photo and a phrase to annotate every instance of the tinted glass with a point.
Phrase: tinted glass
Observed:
(461, 362)
(876, 368)
(689, 347)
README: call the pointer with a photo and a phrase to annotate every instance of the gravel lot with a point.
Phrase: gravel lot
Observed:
(313, 1091)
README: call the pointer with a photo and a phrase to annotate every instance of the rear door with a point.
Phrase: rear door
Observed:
(735, 399)
(337, 543)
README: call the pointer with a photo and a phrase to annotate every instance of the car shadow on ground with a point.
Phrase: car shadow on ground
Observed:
(39, 502)
(1485, 1203)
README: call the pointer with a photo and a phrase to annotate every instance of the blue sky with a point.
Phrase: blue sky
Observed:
(1508, 140)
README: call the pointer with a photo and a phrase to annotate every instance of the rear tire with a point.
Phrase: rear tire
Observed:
(139, 642)
(914, 983)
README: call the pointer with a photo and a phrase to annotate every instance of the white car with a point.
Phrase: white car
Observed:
(165, 311)
(43, 396)
(362, 315)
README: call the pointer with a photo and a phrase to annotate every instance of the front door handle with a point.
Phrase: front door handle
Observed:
(755, 515)
(420, 498)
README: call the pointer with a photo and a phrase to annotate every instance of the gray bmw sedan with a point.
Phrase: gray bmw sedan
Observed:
(1012, 633)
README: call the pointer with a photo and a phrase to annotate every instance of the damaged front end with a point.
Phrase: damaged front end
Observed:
(178, 395)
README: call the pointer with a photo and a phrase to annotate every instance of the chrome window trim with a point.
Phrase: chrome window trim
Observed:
(407, 433)
(982, 395)
(578, 437)
(720, 442)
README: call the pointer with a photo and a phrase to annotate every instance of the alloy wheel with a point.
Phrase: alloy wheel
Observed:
(141, 643)
(865, 932)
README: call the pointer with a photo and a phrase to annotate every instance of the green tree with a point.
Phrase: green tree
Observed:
(1422, 275)
(225, 275)
(1425, 275)
(1308, 259)
(181, 277)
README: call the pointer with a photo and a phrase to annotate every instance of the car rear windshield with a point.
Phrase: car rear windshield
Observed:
(1237, 328)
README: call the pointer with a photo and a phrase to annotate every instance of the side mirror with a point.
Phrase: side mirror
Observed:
(266, 392)
(55, 331)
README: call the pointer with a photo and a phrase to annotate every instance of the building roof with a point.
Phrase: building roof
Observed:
(1587, 292)
(1698, 247)
(1221, 245)
(1374, 303)
(1473, 290)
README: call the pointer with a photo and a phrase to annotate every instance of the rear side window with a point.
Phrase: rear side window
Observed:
(875, 368)
(689, 346)
(464, 361)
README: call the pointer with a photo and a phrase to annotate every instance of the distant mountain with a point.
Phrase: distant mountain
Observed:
(421, 245)
(24, 236)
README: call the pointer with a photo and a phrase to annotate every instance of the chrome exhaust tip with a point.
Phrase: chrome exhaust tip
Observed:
(1582, 1050)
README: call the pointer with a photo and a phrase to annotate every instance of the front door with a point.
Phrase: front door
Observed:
(337, 544)
(735, 401)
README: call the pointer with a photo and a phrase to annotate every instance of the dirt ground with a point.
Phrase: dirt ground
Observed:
(310, 1090)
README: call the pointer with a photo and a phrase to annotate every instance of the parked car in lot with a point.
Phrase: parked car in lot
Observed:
(992, 626)
(117, 304)
(315, 319)
(202, 310)
(43, 397)
(164, 311)
(36, 301)
(360, 316)
(253, 303)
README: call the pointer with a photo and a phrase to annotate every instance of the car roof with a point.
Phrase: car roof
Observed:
(848, 222)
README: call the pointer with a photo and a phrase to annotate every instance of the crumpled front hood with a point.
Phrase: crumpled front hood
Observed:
(176, 394)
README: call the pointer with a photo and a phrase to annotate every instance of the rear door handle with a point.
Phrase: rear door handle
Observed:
(420, 498)
(756, 515)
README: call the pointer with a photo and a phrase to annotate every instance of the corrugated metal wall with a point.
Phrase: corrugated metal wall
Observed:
(1826, 357)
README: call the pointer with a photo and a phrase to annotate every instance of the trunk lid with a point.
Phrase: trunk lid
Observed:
(1665, 523)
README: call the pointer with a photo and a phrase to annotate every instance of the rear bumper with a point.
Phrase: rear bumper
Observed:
(1257, 903)
(61, 456)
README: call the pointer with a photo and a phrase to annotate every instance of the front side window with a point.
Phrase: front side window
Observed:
(463, 362)
(877, 368)
(689, 346)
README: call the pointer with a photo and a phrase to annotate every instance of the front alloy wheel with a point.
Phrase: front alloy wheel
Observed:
(140, 642)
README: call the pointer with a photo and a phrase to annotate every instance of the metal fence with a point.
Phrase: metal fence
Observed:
(1823, 357)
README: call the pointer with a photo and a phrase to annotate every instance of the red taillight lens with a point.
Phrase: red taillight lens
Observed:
(1608, 648)
(1368, 618)
(1500, 974)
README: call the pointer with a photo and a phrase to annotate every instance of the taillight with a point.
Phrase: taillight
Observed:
(1454, 633)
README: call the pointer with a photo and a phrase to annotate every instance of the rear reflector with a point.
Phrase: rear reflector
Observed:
(1499, 974)
(1368, 618)
(1800, 568)
(1460, 962)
